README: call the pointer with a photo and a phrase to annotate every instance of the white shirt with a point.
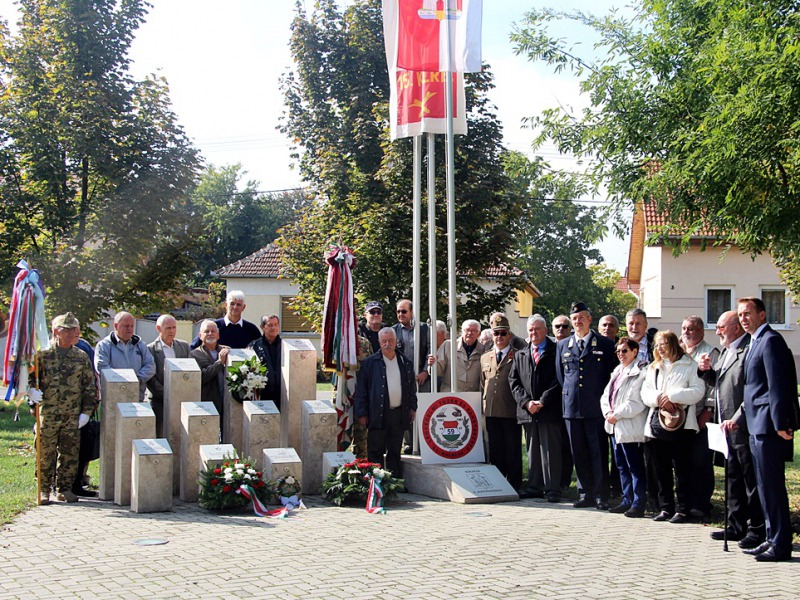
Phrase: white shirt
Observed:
(169, 351)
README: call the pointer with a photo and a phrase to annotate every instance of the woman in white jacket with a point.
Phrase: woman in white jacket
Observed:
(625, 415)
(671, 381)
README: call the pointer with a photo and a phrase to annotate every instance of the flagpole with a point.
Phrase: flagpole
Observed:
(416, 277)
(432, 292)
(451, 208)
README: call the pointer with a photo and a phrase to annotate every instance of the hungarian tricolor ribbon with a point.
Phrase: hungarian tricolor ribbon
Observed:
(249, 493)
(374, 496)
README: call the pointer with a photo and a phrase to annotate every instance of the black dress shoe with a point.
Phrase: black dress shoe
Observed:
(601, 504)
(584, 502)
(524, 494)
(84, 493)
(619, 509)
(733, 536)
(760, 549)
(749, 541)
(679, 518)
(662, 516)
(553, 497)
(774, 555)
(634, 512)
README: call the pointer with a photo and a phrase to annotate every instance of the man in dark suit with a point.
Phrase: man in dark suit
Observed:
(771, 412)
(537, 393)
(584, 363)
(164, 346)
(726, 377)
(212, 358)
(386, 401)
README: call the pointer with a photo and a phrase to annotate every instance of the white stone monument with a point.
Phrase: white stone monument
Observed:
(319, 436)
(232, 412)
(151, 476)
(182, 383)
(298, 383)
(281, 462)
(331, 461)
(213, 455)
(199, 427)
(135, 421)
(262, 429)
(116, 386)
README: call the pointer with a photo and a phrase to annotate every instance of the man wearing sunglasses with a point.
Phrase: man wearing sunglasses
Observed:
(561, 328)
(372, 324)
(583, 366)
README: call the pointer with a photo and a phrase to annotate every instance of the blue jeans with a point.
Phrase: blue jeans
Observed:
(630, 462)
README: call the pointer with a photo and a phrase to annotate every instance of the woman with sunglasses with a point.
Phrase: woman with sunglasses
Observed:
(671, 381)
(625, 415)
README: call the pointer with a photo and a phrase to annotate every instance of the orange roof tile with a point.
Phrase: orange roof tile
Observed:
(262, 263)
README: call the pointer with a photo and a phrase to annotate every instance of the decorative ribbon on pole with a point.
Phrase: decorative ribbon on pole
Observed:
(375, 495)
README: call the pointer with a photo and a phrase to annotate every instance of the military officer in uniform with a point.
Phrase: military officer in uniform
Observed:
(67, 396)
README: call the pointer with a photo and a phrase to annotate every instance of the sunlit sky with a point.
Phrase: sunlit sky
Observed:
(224, 60)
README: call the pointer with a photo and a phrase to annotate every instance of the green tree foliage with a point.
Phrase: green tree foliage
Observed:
(337, 113)
(694, 106)
(94, 169)
(555, 236)
(238, 220)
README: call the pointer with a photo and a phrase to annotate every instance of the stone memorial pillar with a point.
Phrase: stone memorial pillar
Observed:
(151, 476)
(319, 436)
(298, 383)
(331, 461)
(212, 455)
(116, 385)
(281, 462)
(135, 421)
(262, 429)
(182, 383)
(199, 427)
(233, 413)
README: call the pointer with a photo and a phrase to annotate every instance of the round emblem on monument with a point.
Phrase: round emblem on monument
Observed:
(450, 427)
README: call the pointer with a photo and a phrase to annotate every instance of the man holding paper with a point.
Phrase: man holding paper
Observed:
(745, 518)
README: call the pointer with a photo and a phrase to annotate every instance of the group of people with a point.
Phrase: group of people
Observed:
(649, 395)
(67, 391)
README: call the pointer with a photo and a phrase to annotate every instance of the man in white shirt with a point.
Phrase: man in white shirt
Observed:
(163, 347)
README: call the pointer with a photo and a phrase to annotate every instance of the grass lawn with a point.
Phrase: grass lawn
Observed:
(18, 466)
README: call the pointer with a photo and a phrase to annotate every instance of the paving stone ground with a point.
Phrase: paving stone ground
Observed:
(421, 549)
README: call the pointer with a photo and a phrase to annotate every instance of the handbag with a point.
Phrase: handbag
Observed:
(90, 440)
(666, 425)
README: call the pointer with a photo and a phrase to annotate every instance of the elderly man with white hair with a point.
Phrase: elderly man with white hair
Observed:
(121, 349)
(468, 360)
(163, 347)
(234, 331)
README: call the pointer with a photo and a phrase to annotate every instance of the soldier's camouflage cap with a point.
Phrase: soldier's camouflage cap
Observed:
(67, 321)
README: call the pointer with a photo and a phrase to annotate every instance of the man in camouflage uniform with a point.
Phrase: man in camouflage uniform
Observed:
(66, 397)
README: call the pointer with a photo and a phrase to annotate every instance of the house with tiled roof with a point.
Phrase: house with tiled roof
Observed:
(267, 291)
(706, 280)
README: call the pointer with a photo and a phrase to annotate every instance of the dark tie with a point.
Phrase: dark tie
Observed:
(499, 357)
(580, 346)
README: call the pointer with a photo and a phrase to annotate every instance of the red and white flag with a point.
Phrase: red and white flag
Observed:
(417, 103)
(419, 28)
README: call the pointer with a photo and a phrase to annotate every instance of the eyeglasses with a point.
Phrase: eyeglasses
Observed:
(376, 311)
(401, 311)
(623, 350)
(561, 326)
(500, 333)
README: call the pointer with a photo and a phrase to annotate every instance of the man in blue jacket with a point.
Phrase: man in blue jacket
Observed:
(584, 362)
(386, 401)
(771, 412)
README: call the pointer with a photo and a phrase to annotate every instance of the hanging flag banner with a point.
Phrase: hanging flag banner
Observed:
(420, 28)
(417, 103)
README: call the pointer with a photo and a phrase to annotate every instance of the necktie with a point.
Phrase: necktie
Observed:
(580, 346)
(536, 355)
(499, 357)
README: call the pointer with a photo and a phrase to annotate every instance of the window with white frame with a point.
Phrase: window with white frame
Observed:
(718, 301)
(775, 300)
